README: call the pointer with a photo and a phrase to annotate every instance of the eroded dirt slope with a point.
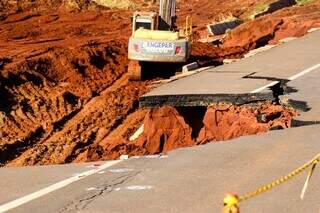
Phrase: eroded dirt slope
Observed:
(169, 128)
(64, 92)
(52, 70)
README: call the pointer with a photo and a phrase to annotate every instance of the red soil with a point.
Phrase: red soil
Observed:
(224, 122)
(64, 92)
(169, 128)
(269, 29)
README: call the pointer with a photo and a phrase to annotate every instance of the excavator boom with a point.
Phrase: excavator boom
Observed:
(167, 13)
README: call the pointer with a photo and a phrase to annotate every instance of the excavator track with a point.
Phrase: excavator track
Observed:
(134, 71)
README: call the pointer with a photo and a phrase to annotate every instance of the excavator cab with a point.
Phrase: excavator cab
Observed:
(145, 20)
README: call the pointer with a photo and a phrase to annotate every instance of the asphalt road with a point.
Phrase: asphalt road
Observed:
(187, 180)
(242, 81)
(195, 179)
(305, 96)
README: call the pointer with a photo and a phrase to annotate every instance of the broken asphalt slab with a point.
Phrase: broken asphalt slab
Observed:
(237, 82)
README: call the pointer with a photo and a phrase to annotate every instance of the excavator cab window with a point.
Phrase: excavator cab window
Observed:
(144, 25)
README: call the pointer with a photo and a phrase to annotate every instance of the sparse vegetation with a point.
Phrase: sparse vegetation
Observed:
(259, 9)
(120, 4)
(303, 2)
(73, 4)
(227, 18)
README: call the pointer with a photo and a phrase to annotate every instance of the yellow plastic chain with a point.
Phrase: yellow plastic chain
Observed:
(231, 201)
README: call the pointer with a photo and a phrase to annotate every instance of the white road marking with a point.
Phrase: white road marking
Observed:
(303, 72)
(123, 170)
(54, 187)
(91, 188)
(265, 87)
(138, 187)
(156, 156)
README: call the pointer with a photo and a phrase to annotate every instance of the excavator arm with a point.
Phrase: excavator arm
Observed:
(167, 13)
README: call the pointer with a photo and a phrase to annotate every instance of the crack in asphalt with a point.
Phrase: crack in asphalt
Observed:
(83, 203)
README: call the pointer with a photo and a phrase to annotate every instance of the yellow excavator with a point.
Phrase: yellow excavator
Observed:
(155, 38)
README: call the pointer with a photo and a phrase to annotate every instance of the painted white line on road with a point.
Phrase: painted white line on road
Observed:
(122, 170)
(54, 187)
(303, 72)
(91, 188)
(138, 187)
(265, 87)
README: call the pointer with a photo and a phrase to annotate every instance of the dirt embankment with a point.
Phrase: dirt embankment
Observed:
(269, 29)
(65, 96)
(169, 128)
(48, 113)
(62, 81)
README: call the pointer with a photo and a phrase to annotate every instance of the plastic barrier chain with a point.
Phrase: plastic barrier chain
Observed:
(231, 201)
